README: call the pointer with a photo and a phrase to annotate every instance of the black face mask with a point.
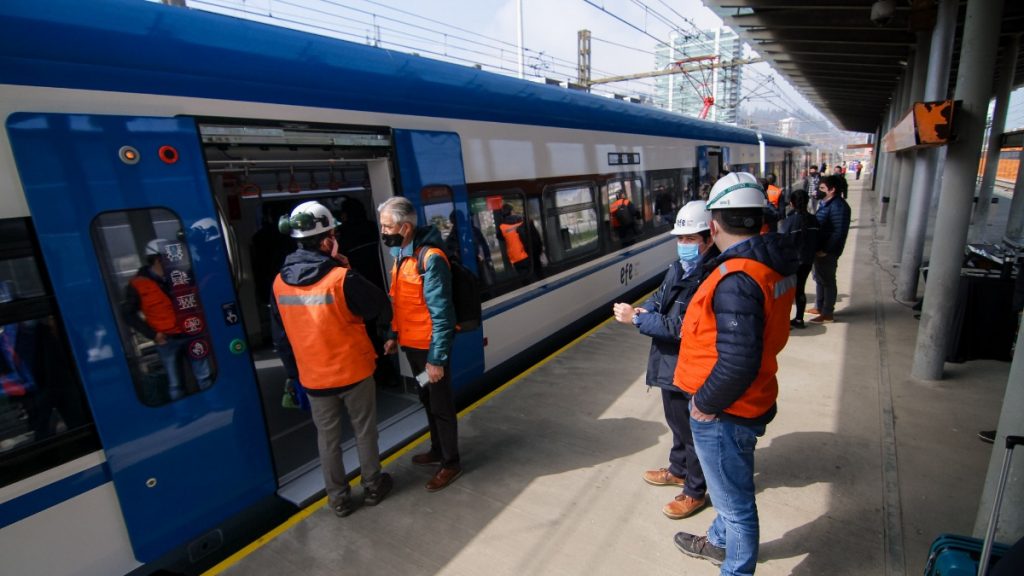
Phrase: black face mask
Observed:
(392, 240)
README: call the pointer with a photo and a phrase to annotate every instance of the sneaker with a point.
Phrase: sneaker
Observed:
(812, 312)
(426, 459)
(343, 507)
(375, 495)
(699, 547)
(988, 436)
(823, 319)
(797, 323)
(662, 477)
(443, 478)
(683, 506)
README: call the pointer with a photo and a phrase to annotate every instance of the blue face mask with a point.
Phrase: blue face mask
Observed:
(688, 253)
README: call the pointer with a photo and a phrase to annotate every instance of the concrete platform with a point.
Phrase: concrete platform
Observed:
(861, 469)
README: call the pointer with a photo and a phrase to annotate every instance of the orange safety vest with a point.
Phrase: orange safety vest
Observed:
(698, 352)
(516, 250)
(331, 347)
(412, 318)
(156, 305)
(774, 193)
(615, 206)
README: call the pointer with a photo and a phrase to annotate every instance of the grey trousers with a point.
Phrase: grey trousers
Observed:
(360, 401)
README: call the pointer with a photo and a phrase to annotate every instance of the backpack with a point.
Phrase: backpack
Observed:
(624, 215)
(465, 291)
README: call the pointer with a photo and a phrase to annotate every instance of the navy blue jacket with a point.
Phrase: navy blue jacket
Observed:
(664, 319)
(802, 228)
(834, 217)
(738, 305)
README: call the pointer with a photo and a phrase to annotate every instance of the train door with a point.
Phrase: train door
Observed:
(432, 177)
(711, 160)
(136, 255)
(260, 173)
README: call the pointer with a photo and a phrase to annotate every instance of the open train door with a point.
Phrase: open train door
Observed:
(711, 161)
(179, 420)
(432, 178)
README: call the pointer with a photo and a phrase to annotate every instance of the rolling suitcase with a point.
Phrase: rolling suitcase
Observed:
(955, 555)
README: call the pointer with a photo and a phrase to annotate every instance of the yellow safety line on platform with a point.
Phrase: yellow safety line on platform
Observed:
(307, 511)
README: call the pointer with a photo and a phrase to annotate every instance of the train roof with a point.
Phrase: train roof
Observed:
(144, 47)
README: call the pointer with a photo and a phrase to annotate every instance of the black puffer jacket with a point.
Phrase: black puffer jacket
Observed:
(739, 314)
(664, 319)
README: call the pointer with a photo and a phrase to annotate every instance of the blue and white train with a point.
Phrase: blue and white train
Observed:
(126, 121)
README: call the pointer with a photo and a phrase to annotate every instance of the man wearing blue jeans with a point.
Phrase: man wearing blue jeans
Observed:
(734, 328)
(834, 225)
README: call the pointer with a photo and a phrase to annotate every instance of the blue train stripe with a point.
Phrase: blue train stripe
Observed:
(53, 494)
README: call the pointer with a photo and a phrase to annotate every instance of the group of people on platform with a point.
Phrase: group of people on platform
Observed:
(717, 323)
(322, 305)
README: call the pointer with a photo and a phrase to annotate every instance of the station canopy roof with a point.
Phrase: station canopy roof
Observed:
(844, 64)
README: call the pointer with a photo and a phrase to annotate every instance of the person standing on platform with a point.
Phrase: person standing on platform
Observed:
(424, 326)
(322, 306)
(859, 166)
(733, 330)
(842, 187)
(834, 222)
(660, 318)
(801, 228)
(813, 178)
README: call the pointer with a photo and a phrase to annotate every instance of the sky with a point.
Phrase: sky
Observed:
(624, 34)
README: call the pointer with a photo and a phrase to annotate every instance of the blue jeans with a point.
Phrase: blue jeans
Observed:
(169, 352)
(726, 452)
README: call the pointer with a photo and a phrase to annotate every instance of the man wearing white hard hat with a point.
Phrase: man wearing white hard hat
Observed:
(734, 327)
(660, 318)
(322, 305)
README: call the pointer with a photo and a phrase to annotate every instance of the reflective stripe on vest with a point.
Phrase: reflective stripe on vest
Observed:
(330, 343)
(156, 305)
(516, 250)
(412, 318)
(698, 351)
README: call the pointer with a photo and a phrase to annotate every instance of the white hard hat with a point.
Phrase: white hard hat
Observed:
(691, 219)
(308, 219)
(736, 190)
(156, 246)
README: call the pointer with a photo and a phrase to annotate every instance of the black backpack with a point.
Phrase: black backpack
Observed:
(465, 291)
(624, 215)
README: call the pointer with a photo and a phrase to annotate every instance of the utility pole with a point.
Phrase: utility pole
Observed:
(519, 34)
(583, 58)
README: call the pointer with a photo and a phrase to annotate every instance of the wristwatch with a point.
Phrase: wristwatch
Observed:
(636, 320)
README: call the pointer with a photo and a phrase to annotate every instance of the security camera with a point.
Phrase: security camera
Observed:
(882, 12)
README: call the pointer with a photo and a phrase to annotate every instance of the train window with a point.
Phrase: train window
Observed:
(44, 418)
(626, 223)
(440, 211)
(570, 221)
(509, 250)
(147, 268)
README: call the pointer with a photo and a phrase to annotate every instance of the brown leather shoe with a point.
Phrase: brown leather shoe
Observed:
(683, 506)
(426, 459)
(662, 477)
(443, 478)
(812, 312)
(823, 319)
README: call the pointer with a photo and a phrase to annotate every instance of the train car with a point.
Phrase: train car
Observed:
(137, 133)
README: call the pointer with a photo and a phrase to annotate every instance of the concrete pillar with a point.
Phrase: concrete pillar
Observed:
(892, 176)
(1007, 69)
(973, 88)
(1011, 518)
(909, 158)
(1015, 223)
(936, 87)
